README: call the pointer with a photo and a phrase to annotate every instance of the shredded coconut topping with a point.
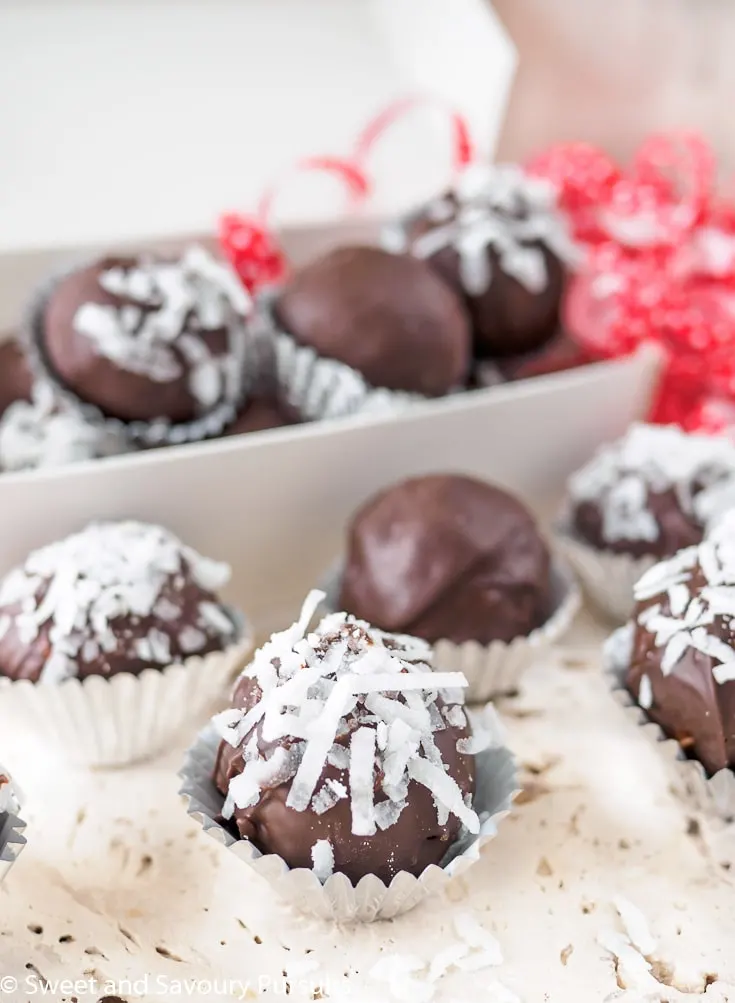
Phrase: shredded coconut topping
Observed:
(498, 207)
(690, 602)
(79, 587)
(700, 469)
(354, 698)
(166, 308)
(48, 432)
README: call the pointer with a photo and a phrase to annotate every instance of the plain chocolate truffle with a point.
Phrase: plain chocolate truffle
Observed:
(681, 667)
(376, 782)
(447, 556)
(116, 597)
(499, 240)
(388, 316)
(652, 492)
(146, 338)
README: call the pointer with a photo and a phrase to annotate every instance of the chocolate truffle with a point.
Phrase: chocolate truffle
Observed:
(15, 376)
(116, 597)
(345, 753)
(146, 338)
(499, 240)
(388, 316)
(260, 414)
(682, 659)
(450, 557)
(51, 432)
(653, 492)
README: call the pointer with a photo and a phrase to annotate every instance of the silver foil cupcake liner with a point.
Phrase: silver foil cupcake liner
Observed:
(711, 795)
(496, 669)
(114, 721)
(160, 431)
(606, 578)
(316, 387)
(337, 899)
(12, 839)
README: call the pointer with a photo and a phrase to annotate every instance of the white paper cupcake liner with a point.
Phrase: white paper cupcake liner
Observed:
(160, 431)
(496, 669)
(710, 795)
(317, 387)
(607, 578)
(114, 721)
(12, 839)
(337, 899)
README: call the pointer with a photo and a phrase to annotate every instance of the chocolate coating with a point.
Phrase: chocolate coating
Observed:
(15, 376)
(447, 556)
(687, 701)
(387, 316)
(411, 844)
(66, 612)
(150, 358)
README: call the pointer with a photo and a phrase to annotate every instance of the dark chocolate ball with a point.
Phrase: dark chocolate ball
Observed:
(498, 240)
(682, 663)
(116, 597)
(260, 414)
(368, 802)
(387, 316)
(446, 556)
(653, 492)
(15, 376)
(144, 338)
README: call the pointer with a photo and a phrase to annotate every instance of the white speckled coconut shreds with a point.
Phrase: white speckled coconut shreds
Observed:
(12, 840)
(106, 571)
(50, 432)
(497, 206)
(497, 668)
(685, 626)
(648, 458)
(196, 285)
(315, 387)
(343, 667)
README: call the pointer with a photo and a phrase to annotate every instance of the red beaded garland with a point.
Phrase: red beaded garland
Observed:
(660, 266)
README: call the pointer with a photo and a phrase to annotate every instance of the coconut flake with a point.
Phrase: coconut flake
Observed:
(645, 693)
(446, 959)
(474, 935)
(445, 791)
(362, 762)
(636, 926)
(322, 857)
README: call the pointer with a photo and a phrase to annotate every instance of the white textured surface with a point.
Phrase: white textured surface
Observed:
(114, 863)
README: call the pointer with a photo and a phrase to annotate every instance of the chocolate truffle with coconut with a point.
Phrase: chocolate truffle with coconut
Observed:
(147, 338)
(446, 556)
(653, 492)
(387, 316)
(499, 240)
(51, 432)
(116, 597)
(681, 665)
(344, 752)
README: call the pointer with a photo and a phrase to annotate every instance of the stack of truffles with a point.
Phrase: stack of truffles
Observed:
(128, 352)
